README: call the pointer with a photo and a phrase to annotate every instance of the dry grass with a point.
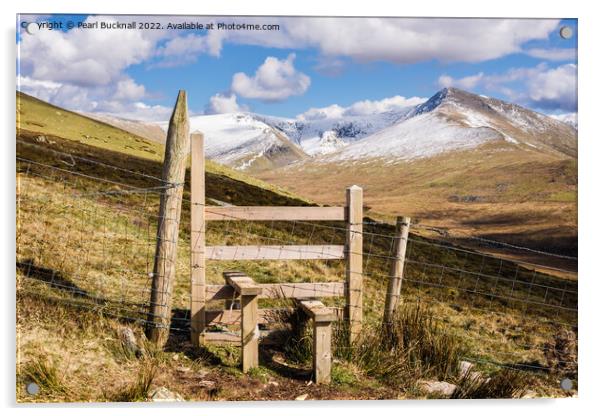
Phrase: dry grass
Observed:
(523, 197)
(94, 252)
(504, 384)
(413, 346)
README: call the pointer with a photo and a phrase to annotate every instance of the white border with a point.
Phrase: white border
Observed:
(590, 156)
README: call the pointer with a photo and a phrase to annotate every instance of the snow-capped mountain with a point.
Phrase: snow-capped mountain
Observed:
(457, 120)
(569, 118)
(242, 141)
(327, 135)
(450, 120)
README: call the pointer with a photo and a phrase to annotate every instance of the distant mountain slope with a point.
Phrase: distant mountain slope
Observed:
(148, 130)
(327, 135)
(463, 161)
(457, 120)
(239, 140)
(570, 119)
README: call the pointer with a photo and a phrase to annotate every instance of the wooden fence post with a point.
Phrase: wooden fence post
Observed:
(402, 229)
(249, 331)
(197, 239)
(322, 359)
(353, 307)
(177, 148)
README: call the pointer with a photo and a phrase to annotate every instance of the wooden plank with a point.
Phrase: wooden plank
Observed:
(232, 316)
(197, 239)
(265, 316)
(288, 252)
(396, 269)
(354, 261)
(281, 290)
(249, 332)
(242, 284)
(177, 148)
(275, 213)
(222, 338)
(316, 310)
(266, 337)
(322, 359)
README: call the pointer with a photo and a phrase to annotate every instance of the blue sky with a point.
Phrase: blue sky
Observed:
(334, 66)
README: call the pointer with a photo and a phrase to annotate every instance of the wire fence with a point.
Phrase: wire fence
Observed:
(87, 231)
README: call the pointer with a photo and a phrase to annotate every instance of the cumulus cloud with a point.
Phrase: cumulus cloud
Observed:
(128, 89)
(274, 80)
(466, 83)
(541, 86)
(400, 40)
(223, 103)
(120, 99)
(555, 88)
(386, 104)
(360, 108)
(332, 111)
(554, 54)
(84, 57)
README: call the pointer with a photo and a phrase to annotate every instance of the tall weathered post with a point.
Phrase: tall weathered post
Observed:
(354, 274)
(402, 230)
(177, 148)
(197, 239)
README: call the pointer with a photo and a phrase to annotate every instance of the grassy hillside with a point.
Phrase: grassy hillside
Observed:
(36, 117)
(85, 244)
(497, 191)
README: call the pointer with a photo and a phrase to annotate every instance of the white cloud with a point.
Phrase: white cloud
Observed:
(387, 104)
(219, 104)
(555, 88)
(121, 99)
(127, 89)
(554, 54)
(185, 49)
(44, 90)
(274, 80)
(359, 108)
(542, 87)
(400, 40)
(84, 57)
(467, 83)
(332, 111)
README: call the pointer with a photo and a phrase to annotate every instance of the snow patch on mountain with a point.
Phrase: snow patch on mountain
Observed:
(327, 135)
(237, 139)
(423, 135)
(568, 118)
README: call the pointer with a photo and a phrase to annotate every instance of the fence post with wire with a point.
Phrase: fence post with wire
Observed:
(174, 168)
(393, 297)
